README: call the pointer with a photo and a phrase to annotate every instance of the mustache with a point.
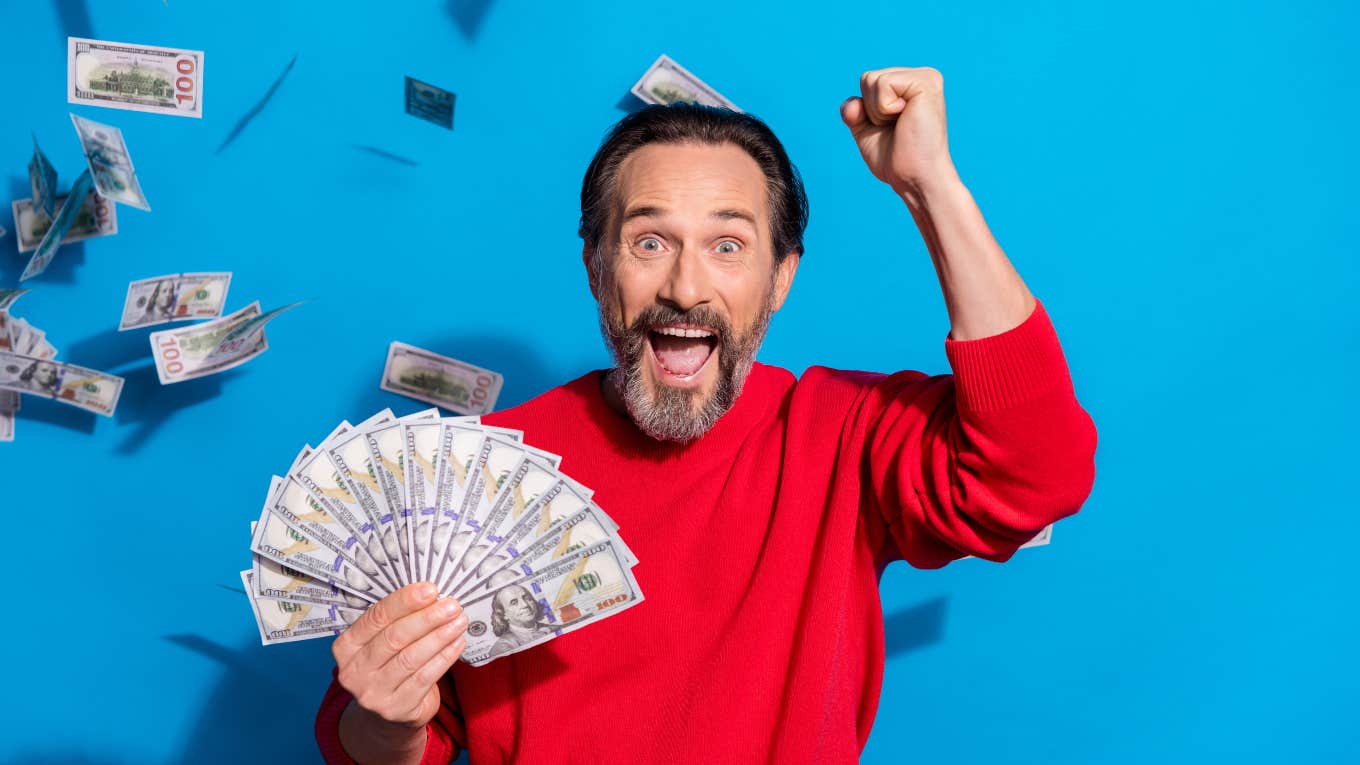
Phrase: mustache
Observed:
(657, 314)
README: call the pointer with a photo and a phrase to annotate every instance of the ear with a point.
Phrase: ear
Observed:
(783, 279)
(591, 276)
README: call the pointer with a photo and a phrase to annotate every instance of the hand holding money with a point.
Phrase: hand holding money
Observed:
(391, 660)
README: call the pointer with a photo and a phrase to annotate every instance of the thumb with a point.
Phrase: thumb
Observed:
(853, 114)
(856, 117)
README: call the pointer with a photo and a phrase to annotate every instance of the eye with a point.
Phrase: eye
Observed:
(728, 247)
(649, 244)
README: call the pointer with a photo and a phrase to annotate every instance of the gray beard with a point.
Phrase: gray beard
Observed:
(674, 414)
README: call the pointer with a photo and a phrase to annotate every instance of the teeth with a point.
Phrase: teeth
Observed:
(678, 332)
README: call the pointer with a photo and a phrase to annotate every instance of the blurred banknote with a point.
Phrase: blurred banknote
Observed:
(429, 102)
(666, 82)
(9, 295)
(211, 347)
(87, 389)
(66, 216)
(97, 217)
(174, 297)
(107, 155)
(42, 177)
(143, 78)
(440, 380)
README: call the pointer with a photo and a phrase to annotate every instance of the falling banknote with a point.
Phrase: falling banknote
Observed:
(143, 78)
(440, 380)
(429, 102)
(666, 82)
(107, 155)
(535, 558)
(66, 216)
(174, 297)
(87, 389)
(213, 346)
(42, 177)
(97, 217)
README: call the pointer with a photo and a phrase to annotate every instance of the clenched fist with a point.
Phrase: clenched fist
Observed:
(391, 660)
(898, 121)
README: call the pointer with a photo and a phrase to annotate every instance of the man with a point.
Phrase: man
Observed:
(762, 508)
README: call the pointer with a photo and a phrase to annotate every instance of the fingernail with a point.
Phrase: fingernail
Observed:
(448, 608)
(425, 591)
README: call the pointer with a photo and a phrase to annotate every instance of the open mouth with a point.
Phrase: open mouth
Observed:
(682, 351)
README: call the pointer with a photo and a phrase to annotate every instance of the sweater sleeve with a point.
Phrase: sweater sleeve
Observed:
(977, 462)
(445, 731)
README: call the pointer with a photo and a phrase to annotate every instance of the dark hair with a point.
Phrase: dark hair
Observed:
(682, 123)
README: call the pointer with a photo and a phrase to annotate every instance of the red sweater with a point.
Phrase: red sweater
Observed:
(760, 548)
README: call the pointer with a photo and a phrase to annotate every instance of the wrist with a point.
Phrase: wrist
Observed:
(368, 738)
(922, 192)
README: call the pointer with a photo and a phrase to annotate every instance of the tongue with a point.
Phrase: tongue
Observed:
(681, 355)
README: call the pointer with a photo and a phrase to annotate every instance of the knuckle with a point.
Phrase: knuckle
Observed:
(408, 664)
(377, 615)
(392, 641)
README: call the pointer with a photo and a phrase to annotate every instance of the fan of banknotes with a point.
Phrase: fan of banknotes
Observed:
(393, 500)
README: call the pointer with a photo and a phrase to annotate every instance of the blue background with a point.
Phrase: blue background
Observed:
(1172, 179)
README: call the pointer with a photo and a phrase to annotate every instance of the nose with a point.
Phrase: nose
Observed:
(686, 284)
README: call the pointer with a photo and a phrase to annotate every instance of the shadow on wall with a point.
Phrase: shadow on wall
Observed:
(467, 15)
(913, 628)
(73, 18)
(264, 707)
(149, 405)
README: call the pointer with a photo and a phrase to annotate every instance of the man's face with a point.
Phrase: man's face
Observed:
(45, 375)
(165, 297)
(688, 286)
(514, 602)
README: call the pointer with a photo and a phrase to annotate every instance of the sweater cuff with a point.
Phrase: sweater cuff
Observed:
(1014, 367)
(439, 748)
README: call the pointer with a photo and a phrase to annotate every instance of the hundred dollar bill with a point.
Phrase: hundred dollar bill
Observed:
(318, 477)
(42, 177)
(354, 464)
(107, 155)
(96, 217)
(142, 78)
(420, 455)
(440, 380)
(283, 536)
(66, 216)
(387, 447)
(571, 522)
(213, 346)
(498, 461)
(283, 621)
(430, 103)
(9, 404)
(275, 580)
(174, 297)
(579, 589)
(84, 388)
(520, 489)
(666, 82)
(459, 444)
(8, 296)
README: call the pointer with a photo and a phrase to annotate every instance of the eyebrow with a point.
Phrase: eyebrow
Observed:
(651, 211)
